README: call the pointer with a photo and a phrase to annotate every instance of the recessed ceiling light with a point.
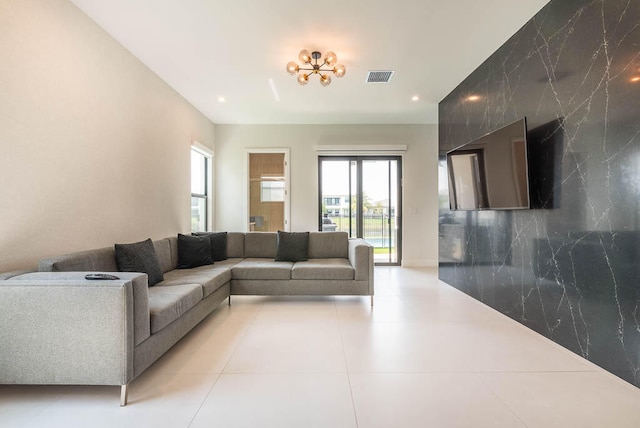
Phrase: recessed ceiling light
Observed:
(415, 98)
(473, 97)
(221, 99)
(635, 79)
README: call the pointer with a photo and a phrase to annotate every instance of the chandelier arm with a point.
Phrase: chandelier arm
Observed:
(317, 68)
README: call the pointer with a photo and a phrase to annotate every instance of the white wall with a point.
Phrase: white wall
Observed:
(420, 198)
(94, 147)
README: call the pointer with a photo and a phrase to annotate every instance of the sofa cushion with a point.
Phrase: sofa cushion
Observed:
(173, 243)
(327, 269)
(218, 244)
(235, 244)
(229, 263)
(260, 245)
(139, 257)
(167, 303)
(292, 246)
(256, 268)
(193, 251)
(208, 277)
(327, 245)
(163, 252)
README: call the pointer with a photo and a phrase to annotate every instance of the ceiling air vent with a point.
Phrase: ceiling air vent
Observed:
(381, 76)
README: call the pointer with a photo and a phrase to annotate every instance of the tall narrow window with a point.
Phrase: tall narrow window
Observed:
(200, 190)
(267, 190)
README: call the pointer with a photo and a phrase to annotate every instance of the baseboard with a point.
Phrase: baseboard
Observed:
(419, 263)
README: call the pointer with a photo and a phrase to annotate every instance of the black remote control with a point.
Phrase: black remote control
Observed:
(100, 276)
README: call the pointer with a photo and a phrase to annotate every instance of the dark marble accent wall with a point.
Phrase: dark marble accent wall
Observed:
(570, 267)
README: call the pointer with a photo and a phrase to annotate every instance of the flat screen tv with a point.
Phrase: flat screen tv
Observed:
(491, 173)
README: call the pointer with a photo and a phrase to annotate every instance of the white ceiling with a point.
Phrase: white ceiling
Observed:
(206, 49)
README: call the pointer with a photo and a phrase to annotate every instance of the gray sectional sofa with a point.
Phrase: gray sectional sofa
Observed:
(59, 328)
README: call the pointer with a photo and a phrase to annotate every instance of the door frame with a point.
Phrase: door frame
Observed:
(360, 226)
(247, 193)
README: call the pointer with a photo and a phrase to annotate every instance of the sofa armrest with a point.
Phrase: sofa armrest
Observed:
(7, 275)
(361, 258)
(57, 330)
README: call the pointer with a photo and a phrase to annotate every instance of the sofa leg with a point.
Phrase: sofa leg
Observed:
(229, 299)
(372, 300)
(124, 395)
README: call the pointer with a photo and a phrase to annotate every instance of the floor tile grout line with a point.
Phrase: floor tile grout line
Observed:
(495, 394)
(203, 400)
(531, 371)
(227, 363)
(346, 365)
(244, 334)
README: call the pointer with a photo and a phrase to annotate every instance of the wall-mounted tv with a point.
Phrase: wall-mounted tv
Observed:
(491, 173)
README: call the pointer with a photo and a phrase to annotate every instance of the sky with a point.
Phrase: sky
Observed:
(335, 179)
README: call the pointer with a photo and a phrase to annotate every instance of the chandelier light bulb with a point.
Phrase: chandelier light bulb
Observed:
(292, 68)
(303, 79)
(339, 70)
(314, 63)
(305, 56)
(330, 58)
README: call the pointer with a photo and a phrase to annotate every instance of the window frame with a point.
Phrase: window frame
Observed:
(247, 192)
(207, 154)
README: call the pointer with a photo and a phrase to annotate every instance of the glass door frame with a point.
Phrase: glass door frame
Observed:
(247, 184)
(360, 200)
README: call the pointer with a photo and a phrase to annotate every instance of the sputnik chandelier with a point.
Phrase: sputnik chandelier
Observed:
(316, 62)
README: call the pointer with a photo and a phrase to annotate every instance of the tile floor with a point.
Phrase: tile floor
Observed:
(427, 355)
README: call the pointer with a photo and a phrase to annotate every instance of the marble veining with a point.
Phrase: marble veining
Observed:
(569, 267)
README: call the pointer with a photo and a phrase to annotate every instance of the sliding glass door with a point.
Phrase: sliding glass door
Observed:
(361, 195)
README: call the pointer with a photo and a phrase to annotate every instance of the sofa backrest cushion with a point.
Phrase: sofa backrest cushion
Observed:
(218, 244)
(163, 251)
(260, 245)
(100, 260)
(173, 244)
(328, 245)
(235, 244)
(104, 259)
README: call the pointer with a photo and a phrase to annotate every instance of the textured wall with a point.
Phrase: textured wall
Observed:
(94, 147)
(569, 268)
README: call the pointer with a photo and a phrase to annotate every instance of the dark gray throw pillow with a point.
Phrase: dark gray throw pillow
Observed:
(193, 251)
(292, 246)
(139, 257)
(218, 244)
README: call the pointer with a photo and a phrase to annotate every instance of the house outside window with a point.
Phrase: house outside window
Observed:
(336, 205)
